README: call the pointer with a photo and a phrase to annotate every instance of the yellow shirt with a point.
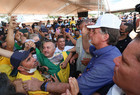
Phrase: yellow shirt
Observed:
(78, 37)
(28, 77)
(4, 60)
(6, 67)
(72, 22)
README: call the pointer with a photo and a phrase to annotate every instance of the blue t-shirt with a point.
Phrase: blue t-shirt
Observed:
(99, 71)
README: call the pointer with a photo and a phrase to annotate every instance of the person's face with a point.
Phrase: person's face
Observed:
(77, 33)
(122, 30)
(29, 62)
(61, 43)
(127, 69)
(48, 49)
(63, 29)
(96, 37)
(23, 25)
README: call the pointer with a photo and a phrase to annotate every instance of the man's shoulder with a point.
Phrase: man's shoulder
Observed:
(57, 50)
(114, 51)
(67, 48)
(110, 53)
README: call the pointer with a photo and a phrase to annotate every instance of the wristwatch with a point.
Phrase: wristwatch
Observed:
(42, 87)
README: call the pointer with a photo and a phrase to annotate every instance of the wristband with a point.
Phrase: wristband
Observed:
(46, 86)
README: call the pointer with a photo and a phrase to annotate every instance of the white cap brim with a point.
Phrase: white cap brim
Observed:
(93, 26)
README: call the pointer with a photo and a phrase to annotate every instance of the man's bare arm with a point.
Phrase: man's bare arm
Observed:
(10, 35)
(57, 87)
(5, 53)
(73, 49)
(64, 64)
(35, 84)
(85, 39)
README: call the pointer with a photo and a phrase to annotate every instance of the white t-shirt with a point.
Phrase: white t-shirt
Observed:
(115, 90)
(66, 48)
(57, 58)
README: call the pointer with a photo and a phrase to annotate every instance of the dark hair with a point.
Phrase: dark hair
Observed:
(129, 27)
(60, 36)
(137, 8)
(113, 35)
(77, 30)
(62, 26)
(6, 88)
(72, 17)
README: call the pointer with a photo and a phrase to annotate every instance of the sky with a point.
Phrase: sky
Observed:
(122, 4)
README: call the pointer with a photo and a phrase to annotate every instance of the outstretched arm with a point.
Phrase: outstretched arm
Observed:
(73, 49)
(5, 53)
(35, 84)
(64, 64)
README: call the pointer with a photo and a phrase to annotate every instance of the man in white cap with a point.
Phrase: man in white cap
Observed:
(99, 71)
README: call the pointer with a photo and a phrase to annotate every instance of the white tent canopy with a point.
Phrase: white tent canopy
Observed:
(48, 7)
(63, 7)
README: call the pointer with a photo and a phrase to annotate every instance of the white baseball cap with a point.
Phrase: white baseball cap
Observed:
(107, 20)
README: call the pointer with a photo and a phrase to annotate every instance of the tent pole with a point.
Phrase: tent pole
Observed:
(98, 8)
(14, 9)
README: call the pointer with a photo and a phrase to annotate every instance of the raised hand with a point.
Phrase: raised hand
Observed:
(63, 65)
(32, 85)
(74, 88)
(13, 22)
(29, 44)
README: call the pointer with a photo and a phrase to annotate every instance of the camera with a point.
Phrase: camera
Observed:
(3, 23)
(137, 8)
(41, 69)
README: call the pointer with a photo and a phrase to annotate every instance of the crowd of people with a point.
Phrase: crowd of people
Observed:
(69, 57)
